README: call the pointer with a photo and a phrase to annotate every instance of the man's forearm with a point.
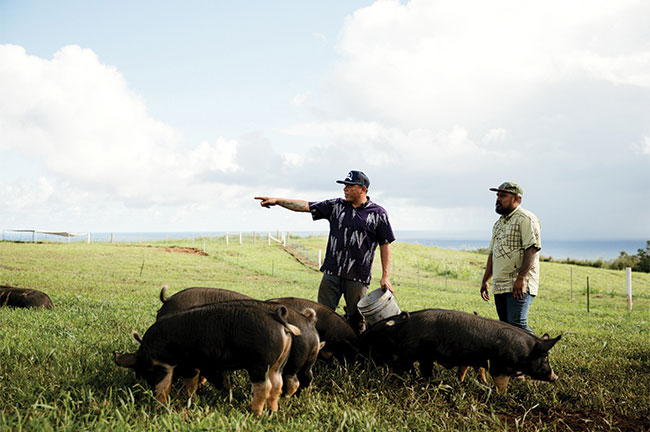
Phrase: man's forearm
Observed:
(488, 269)
(294, 204)
(527, 262)
(384, 253)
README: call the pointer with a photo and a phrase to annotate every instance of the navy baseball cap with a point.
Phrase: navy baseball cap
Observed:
(356, 178)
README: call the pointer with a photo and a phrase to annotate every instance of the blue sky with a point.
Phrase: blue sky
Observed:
(170, 116)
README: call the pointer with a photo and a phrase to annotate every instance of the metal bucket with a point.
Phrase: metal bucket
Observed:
(377, 305)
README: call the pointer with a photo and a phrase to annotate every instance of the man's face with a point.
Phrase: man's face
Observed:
(506, 202)
(353, 193)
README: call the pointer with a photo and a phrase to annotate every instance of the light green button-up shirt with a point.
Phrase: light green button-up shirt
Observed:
(511, 235)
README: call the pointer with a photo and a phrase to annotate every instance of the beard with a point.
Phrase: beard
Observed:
(502, 210)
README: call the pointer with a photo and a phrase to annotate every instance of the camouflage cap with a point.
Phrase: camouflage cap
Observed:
(510, 187)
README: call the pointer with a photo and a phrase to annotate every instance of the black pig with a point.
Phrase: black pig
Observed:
(453, 338)
(340, 340)
(24, 298)
(195, 296)
(297, 372)
(216, 338)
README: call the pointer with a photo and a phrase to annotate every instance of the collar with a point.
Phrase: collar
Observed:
(362, 206)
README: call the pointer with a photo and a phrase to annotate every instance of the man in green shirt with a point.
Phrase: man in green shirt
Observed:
(513, 261)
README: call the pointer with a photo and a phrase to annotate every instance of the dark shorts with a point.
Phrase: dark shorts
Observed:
(333, 287)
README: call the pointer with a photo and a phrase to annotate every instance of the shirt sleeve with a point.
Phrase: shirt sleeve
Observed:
(530, 233)
(384, 230)
(321, 209)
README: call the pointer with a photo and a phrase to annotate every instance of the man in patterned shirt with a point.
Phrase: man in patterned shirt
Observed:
(514, 257)
(357, 227)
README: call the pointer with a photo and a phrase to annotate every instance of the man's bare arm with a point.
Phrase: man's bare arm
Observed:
(519, 285)
(485, 284)
(291, 204)
(384, 253)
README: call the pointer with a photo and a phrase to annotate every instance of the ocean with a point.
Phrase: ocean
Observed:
(558, 249)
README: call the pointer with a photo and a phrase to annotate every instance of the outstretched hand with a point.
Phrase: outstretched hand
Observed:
(267, 201)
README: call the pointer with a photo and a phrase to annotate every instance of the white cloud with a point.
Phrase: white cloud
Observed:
(80, 118)
(495, 135)
(439, 63)
(642, 147)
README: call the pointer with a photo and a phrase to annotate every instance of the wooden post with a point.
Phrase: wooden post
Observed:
(571, 280)
(112, 237)
(89, 238)
(445, 275)
(628, 280)
(227, 242)
(240, 240)
(269, 238)
(587, 293)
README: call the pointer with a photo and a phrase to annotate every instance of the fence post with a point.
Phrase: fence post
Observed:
(269, 238)
(227, 242)
(445, 275)
(88, 237)
(587, 293)
(571, 280)
(240, 240)
(628, 280)
(319, 258)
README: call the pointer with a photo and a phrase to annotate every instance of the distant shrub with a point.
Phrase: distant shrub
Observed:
(639, 262)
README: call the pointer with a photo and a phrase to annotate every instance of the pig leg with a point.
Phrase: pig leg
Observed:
(291, 384)
(275, 373)
(501, 381)
(481, 375)
(276, 389)
(261, 391)
(305, 377)
(191, 383)
(462, 371)
(164, 385)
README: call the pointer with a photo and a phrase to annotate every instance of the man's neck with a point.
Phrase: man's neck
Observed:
(359, 203)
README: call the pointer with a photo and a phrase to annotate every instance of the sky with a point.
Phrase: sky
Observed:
(171, 116)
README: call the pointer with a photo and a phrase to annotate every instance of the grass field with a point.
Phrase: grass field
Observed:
(57, 371)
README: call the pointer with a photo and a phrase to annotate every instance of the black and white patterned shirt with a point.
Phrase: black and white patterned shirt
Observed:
(354, 236)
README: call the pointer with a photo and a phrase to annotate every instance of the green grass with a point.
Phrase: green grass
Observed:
(57, 372)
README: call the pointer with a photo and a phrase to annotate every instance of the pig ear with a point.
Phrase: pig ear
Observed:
(136, 336)
(544, 345)
(310, 314)
(283, 312)
(125, 360)
(163, 296)
(546, 336)
(321, 345)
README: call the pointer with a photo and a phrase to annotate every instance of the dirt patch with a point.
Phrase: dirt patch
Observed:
(173, 249)
(185, 250)
(588, 420)
(301, 258)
